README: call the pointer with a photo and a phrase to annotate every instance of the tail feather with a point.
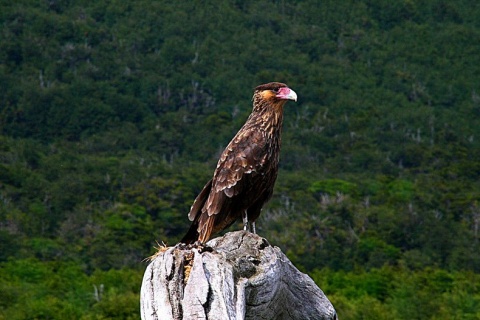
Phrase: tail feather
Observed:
(195, 214)
(192, 234)
(200, 201)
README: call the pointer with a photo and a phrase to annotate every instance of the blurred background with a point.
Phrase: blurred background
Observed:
(113, 115)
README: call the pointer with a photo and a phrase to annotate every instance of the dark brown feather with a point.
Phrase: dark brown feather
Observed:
(246, 171)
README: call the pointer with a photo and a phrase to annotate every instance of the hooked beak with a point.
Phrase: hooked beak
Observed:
(286, 94)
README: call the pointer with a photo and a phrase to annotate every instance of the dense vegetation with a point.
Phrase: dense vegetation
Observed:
(113, 114)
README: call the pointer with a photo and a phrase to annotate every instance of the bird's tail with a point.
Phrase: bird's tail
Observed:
(195, 214)
(192, 234)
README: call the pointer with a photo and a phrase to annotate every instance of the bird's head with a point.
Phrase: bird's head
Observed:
(276, 91)
(271, 97)
(268, 102)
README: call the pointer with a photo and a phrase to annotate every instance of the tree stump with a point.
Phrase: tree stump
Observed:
(237, 276)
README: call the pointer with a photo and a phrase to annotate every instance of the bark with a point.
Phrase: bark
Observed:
(237, 276)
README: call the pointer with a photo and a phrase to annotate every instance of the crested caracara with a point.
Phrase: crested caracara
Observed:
(246, 171)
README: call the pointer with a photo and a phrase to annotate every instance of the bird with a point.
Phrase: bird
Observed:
(245, 175)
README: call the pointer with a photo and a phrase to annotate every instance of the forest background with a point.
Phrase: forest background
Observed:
(113, 115)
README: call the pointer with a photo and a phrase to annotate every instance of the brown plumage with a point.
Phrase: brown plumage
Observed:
(246, 171)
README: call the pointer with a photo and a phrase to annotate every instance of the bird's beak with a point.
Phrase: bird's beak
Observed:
(286, 94)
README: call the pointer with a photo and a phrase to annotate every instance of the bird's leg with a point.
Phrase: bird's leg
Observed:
(245, 220)
(252, 225)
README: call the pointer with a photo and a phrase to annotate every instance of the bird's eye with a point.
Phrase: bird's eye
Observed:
(276, 90)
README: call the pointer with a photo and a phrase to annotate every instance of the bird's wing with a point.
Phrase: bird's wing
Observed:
(244, 157)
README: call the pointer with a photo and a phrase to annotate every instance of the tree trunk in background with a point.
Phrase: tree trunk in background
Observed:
(237, 276)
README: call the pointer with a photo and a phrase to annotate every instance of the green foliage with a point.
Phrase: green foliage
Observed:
(31, 289)
(113, 114)
(333, 186)
(397, 293)
(401, 190)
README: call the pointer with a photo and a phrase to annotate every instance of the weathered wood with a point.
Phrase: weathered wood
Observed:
(237, 276)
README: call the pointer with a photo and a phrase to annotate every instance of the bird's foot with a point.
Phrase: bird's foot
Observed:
(245, 221)
(200, 246)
